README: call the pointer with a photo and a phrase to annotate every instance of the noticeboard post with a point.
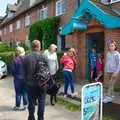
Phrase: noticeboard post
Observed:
(92, 95)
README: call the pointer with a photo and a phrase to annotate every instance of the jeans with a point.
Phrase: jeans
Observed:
(21, 92)
(68, 79)
(39, 94)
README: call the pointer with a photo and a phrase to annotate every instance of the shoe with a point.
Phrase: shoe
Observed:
(24, 107)
(65, 96)
(112, 96)
(16, 108)
(75, 94)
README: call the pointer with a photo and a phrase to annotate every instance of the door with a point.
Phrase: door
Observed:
(93, 40)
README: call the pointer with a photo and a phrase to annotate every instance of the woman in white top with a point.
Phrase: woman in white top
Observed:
(52, 59)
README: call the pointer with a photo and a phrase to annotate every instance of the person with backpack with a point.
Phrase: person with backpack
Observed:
(37, 75)
(19, 80)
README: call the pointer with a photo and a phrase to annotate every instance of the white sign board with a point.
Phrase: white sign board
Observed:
(92, 95)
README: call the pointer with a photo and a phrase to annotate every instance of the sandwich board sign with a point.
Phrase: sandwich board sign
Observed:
(92, 95)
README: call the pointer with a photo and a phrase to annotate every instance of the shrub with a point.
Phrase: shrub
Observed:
(4, 47)
(45, 30)
(7, 58)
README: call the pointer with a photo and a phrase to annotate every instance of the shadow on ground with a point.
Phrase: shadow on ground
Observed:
(112, 109)
(5, 109)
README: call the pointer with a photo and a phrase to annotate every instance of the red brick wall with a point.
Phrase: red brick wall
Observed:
(20, 35)
(80, 39)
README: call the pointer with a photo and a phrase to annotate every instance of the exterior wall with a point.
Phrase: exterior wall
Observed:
(21, 34)
(79, 38)
(117, 4)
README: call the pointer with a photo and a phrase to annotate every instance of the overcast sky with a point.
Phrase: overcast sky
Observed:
(3, 5)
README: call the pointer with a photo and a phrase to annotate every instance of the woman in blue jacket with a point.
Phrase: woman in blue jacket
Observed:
(19, 80)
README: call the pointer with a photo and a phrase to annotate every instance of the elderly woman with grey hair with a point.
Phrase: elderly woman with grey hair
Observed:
(52, 60)
(19, 80)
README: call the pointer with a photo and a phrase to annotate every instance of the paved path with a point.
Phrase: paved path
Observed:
(57, 112)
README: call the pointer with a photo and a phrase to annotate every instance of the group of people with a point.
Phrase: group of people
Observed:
(96, 61)
(23, 70)
(109, 65)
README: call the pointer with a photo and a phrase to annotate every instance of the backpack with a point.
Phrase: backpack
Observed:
(41, 72)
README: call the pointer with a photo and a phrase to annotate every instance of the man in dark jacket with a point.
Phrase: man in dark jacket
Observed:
(35, 92)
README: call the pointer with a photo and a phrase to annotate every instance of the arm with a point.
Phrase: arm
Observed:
(74, 60)
(118, 63)
(45, 53)
(13, 67)
(62, 60)
(57, 63)
(24, 66)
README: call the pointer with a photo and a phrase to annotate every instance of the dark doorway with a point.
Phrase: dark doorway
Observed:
(94, 40)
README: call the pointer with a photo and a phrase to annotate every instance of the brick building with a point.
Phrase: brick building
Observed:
(93, 30)
(92, 25)
(15, 26)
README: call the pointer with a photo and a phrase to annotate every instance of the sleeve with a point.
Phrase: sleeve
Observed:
(105, 62)
(13, 67)
(62, 59)
(57, 62)
(75, 61)
(24, 67)
(45, 53)
(117, 58)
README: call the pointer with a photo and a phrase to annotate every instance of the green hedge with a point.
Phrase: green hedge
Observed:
(4, 48)
(8, 56)
(45, 30)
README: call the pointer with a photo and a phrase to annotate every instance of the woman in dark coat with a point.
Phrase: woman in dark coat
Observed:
(19, 80)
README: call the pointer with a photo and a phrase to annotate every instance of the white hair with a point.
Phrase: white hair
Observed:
(20, 50)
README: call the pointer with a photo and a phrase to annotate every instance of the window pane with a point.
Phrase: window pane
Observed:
(61, 7)
(18, 24)
(27, 20)
(43, 13)
(10, 28)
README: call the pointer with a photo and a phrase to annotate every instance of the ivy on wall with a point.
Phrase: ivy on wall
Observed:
(45, 30)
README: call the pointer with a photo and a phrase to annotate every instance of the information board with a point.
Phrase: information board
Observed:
(92, 95)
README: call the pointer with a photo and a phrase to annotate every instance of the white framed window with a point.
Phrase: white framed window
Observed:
(61, 7)
(32, 2)
(27, 20)
(18, 24)
(10, 28)
(113, 1)
(109, 1)
(44, 13)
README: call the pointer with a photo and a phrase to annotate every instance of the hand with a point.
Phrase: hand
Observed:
(114, 75)
(65, 53)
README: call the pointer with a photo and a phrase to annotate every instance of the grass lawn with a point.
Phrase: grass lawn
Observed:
(73, 107)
